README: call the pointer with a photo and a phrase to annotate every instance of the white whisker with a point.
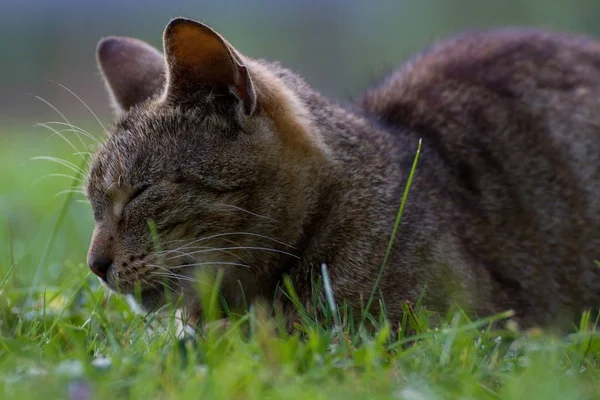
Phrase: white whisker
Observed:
(70, 177)
(149, 283)
(180, 278)
(183, 253)
(62, 162)
(153, 284)
(168, 273)
(236, 248)
(59, 134)
(248, 212)
(82, 102)
(52, 107)
(235, 244)
(214, 263)
(75, 129)
(199, 240)
(67, 191)
(60, 115)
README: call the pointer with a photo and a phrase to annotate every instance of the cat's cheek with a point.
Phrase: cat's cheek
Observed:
(150, 301)
(135, 306)
(194, 314)
(107, 286)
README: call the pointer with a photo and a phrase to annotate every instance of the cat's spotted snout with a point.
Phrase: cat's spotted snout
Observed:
(100, 255)
(99, 264)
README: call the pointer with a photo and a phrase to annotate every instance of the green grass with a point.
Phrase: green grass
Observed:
(72, 340)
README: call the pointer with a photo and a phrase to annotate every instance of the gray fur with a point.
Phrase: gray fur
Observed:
(504, 211)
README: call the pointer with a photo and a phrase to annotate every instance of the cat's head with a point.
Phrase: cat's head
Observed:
(211, 164)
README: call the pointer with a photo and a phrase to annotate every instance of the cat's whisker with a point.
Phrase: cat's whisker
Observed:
(249, 212)
(199, 240)
(157, 266)
(62, 116)
(149, 273)
(75, 129)
(82, 102)
(211, 263)
(149, 283)
(181, 278)
(67, 191)
(67, 176)
(71, 177)
(58, 133)
(235, 248)
(166, 273)
(77, 132)
(228, 234)
(183, 253)
(171, 275)
(62, 162)
(236, 244)
(164, 283)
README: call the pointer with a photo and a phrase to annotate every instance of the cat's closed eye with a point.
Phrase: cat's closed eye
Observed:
(132, 199)
(138, 192)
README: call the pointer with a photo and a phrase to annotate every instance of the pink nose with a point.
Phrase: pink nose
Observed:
(99, 264)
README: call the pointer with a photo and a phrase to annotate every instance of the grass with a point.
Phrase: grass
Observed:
(62, 336)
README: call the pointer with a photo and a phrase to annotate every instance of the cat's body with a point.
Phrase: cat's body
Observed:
(242, 156)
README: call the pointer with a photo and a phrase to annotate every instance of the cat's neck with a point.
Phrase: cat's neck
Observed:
(364, 175)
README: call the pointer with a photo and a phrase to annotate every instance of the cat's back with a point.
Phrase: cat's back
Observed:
(523, 92)
(535, 68)
(513, 116)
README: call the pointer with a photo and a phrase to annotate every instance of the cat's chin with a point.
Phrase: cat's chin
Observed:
(150, 300)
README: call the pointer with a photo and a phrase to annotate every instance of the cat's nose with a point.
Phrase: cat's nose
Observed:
(99, 264)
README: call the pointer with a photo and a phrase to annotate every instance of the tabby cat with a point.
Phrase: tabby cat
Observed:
(221, 162)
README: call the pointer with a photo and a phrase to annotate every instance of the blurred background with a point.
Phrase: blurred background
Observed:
(340, 46)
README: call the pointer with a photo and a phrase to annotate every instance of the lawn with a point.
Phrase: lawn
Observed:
(62, 335)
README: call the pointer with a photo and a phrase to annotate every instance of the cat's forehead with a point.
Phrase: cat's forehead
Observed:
(157, 118)
(147, 144)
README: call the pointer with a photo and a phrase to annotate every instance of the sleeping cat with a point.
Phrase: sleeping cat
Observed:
(238, 165)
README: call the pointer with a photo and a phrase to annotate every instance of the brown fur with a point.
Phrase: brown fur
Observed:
(244, 163)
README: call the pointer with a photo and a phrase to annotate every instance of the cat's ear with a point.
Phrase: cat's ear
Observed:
(198, 58)
(133, 70)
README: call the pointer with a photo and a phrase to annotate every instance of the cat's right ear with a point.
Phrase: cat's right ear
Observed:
(133, 70)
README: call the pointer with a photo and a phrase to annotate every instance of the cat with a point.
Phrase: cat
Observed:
(221, 162)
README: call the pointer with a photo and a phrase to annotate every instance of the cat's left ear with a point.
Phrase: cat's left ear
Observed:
(198, 58)
(133, 70)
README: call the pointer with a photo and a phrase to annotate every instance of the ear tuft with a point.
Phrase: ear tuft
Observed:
(133, 70)
(197, 56)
